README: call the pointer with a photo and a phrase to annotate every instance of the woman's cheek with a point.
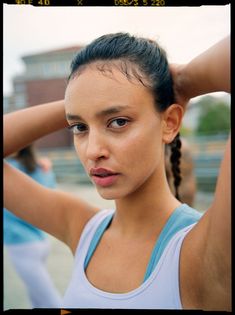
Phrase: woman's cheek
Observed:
(80, 149)
(139, 143)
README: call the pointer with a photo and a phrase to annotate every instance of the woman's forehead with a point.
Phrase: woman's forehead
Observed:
(114, 68)
(107, 85)
(92, 91)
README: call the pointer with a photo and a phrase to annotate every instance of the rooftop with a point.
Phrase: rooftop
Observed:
(54, 51)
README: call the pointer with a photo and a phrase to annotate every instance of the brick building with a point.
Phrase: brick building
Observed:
(44, 80)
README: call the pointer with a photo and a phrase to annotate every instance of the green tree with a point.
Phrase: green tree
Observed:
(185, 131)
(214, 116)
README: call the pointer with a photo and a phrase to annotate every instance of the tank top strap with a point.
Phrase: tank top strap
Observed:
(181, 217)
(96, 238)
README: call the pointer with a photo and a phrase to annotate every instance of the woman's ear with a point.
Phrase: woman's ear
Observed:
(172, 118)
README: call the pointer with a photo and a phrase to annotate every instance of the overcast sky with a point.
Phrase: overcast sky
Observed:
(183, 31)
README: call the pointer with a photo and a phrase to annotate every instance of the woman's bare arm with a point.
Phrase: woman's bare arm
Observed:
(208, 245)
(59, 214)
(208, 72)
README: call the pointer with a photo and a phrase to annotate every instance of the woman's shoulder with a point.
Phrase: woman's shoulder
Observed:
(95, 220)
(94, 223)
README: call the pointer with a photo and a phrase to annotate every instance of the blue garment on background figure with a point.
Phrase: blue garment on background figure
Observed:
(28, 247)
(17, 231)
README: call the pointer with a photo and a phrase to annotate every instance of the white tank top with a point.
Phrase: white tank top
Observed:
(159, 291)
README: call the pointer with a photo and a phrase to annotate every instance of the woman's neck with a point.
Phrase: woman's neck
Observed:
(147, 209)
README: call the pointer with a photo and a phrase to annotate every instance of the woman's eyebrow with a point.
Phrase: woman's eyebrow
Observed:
(105, 112)
(73, 117)
(112, 110)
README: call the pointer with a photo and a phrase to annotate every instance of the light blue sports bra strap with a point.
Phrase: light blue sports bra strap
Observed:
(96, 238)
(181, 217)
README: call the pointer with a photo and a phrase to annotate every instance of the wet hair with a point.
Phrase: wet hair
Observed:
(27, 158)
(175, 155)
(138, 58)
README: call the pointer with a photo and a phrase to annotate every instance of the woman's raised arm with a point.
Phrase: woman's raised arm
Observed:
(208, 72)
(59, 214)
(27, 125)
(210, 239)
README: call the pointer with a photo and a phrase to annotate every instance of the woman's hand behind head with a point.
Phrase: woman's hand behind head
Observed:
(179, 83)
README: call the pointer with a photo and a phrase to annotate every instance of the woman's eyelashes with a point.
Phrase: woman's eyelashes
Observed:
(118, 123)
(113, 124)
(78, 128)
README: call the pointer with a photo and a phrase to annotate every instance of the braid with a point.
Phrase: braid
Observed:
(175, 163)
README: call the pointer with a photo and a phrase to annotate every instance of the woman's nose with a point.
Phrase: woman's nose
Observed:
(96, 147)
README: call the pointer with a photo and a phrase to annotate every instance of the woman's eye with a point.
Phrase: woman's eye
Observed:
(78, 128)
(118, 123)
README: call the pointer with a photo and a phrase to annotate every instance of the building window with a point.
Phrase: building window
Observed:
(19, 87)
(55, 69)
(6, 105)
(33, 70)
(20, 101)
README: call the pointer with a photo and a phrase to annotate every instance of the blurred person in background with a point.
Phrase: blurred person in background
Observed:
(29, 247)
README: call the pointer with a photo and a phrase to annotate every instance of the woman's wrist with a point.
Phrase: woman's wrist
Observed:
(208, 72)
(190, 82)
(181, 84)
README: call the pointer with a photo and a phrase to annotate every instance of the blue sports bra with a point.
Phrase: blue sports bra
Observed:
(181, 217)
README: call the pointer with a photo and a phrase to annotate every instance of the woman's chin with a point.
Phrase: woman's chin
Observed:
(110, 194)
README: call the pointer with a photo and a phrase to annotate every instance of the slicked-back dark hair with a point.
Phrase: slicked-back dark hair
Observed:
(139, 58)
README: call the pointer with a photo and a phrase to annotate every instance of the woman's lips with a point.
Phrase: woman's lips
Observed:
(105, 181)
(103, 177)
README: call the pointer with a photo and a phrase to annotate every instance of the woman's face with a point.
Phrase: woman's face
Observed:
(117, 131)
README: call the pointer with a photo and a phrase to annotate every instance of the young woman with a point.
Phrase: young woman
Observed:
(27, 246)
(151, 251)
